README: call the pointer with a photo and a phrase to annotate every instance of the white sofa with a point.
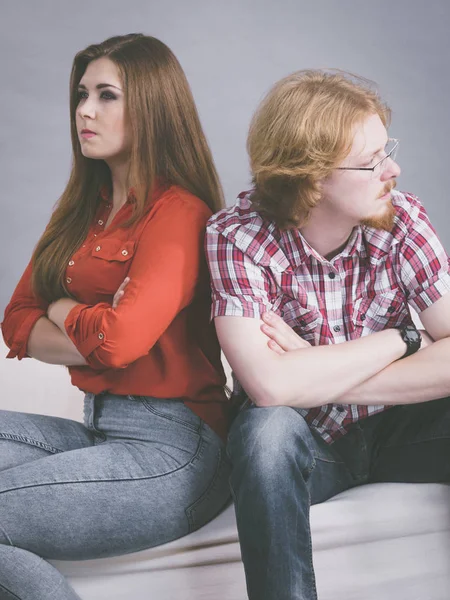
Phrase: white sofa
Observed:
(376, 542)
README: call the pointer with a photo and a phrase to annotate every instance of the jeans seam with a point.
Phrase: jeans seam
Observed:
(154, 411)
(10, 594)
(6, 535)
(116, 480)
(30, 441)
(207, 492)
(311, 564)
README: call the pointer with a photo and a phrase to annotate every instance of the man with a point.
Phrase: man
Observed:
(313, 273)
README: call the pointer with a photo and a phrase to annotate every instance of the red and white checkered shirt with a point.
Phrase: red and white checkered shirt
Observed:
(368, 287)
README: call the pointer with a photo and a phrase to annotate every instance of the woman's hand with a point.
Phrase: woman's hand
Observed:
(282, 338)
(120, 292)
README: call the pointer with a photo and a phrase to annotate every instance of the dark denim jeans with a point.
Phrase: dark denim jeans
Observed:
(140, 472)
(280, 467)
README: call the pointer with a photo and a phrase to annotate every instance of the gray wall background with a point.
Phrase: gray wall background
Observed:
(232, 52)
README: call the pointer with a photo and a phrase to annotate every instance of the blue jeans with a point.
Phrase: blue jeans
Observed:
(140, 472)
(280, 467)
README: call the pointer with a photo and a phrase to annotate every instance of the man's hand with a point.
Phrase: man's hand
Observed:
(282, 338)
(120, 292)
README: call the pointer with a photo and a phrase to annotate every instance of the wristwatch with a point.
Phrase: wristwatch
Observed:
(412, 338)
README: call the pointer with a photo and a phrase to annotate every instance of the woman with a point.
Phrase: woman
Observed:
(117, 290)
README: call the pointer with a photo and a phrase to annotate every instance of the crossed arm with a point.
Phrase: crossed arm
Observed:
(276, 367)
(49, 342)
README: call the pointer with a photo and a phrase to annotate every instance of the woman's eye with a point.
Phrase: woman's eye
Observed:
(107, 96)
(82, 95)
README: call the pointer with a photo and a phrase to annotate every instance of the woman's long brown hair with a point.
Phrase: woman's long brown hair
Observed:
(168, 145)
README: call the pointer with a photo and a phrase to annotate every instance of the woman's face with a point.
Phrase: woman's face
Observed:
(101, 122)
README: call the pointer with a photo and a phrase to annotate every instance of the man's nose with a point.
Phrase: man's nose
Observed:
(392, 170)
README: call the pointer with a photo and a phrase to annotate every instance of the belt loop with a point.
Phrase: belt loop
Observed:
(89, 408)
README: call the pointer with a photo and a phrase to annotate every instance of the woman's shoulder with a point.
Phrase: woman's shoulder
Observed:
(180, 201)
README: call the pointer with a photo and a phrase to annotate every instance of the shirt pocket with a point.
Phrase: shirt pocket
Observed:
(303, 319)
(111, 260)
(381, 311)
(114, 250)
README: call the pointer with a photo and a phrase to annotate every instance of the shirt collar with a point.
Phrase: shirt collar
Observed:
(297, 249)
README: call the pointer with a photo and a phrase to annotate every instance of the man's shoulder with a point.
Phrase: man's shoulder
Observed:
(242, 225)
(408, 209)
(410, 215)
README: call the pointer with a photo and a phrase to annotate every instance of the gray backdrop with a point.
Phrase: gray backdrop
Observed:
(232, 52)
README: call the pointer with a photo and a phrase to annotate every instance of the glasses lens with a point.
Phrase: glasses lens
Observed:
(391, 152)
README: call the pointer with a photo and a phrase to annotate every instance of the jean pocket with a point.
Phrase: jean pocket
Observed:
(172, 409)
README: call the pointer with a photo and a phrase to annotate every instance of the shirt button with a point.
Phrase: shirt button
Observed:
(331, 275)
(302, 322)
(390, 309)
(340, 408)
(124, 252)
(68, 280)
(336, 328)
(98, 248)
(100, 336)
(100, 222)
(363, 317)
(71, 263)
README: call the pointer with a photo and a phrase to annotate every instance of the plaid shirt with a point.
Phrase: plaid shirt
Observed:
(368, 287)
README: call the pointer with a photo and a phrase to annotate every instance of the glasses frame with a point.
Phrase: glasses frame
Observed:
(396, 143)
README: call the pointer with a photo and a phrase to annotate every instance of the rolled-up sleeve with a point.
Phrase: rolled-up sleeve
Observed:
(424, 263)
(21, 314)
(239, 286)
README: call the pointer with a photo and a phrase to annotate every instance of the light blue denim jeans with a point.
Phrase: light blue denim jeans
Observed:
(140, 472)
(280, 467)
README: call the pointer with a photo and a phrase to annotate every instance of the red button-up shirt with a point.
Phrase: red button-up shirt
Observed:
(158, 341)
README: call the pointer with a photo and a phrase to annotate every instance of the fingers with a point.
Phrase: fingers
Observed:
(120, 292)
(123, 285)
(275, 347)
(281, 333)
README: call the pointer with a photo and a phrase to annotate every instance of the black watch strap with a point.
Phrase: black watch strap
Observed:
(412, 338)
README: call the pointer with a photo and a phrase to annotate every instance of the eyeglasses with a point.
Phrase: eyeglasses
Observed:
(390, 149)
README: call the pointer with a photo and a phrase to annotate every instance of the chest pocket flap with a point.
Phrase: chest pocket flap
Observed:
(114, 250)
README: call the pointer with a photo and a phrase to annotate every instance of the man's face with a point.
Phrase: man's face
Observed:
(363, 197)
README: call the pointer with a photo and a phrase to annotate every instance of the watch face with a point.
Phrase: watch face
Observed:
(411, 335)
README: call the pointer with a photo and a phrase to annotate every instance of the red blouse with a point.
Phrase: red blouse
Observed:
(159, 340)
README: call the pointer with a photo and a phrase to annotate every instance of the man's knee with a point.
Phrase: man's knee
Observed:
(270, 440)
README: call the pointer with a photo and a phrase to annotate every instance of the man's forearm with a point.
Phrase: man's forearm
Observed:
(421, 377)
(49, 344)
(322, 374)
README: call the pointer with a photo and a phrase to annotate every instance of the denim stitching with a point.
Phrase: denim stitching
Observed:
(31, 442)
(115, 480)
(212, 486)
(314, 588)
(151, 409)
(6, 536)
(9, 593)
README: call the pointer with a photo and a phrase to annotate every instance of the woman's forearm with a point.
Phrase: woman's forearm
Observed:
(49, 344)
